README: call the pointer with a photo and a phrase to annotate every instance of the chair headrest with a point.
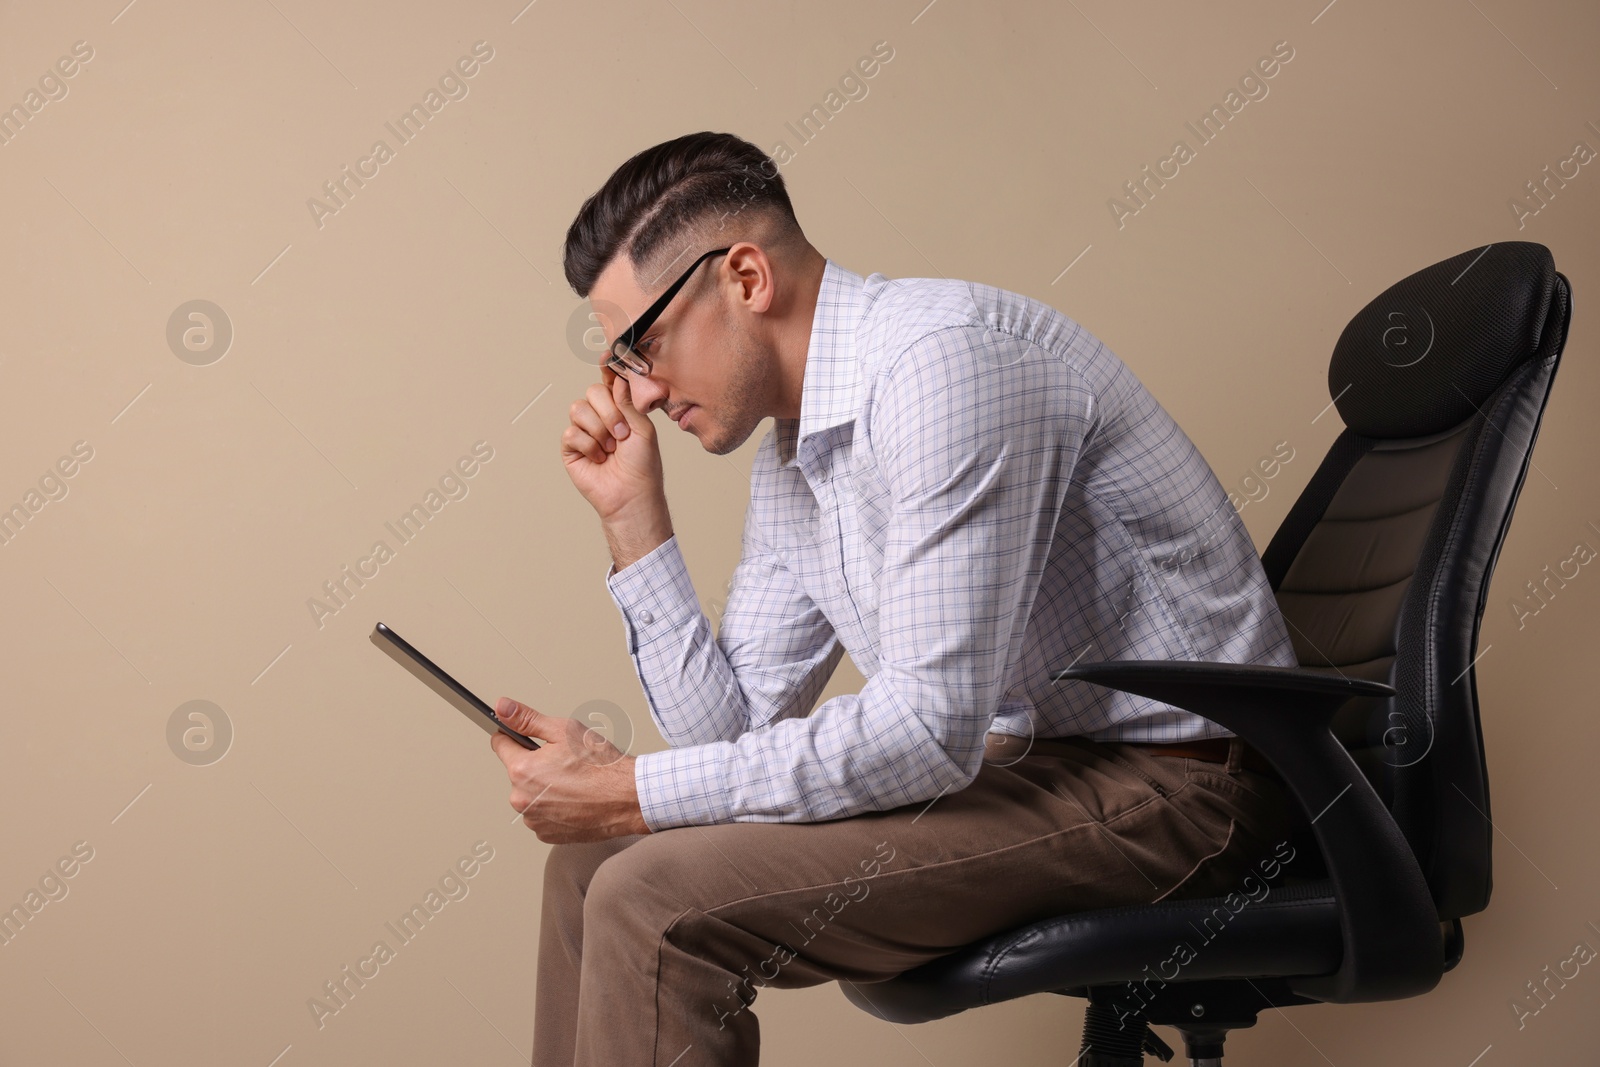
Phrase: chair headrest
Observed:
(1428, 350)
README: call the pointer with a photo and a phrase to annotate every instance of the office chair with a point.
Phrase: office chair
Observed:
(1381, 569)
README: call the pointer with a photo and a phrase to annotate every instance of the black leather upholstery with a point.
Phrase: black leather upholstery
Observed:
(1383, 565)
(1382, 569)
(1290, 931)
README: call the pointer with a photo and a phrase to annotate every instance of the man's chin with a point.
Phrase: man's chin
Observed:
(718, 444)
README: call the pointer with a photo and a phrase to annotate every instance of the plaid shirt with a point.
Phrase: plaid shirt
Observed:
(977, 492)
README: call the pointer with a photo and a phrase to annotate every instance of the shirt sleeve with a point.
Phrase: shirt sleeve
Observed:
(773, 654)
(976, 435)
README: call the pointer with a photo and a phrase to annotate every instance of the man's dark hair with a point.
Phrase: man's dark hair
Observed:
(673, 196)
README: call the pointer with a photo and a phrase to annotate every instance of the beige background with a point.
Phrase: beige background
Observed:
(429, 313)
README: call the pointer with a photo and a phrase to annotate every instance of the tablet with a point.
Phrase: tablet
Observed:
(457, 695)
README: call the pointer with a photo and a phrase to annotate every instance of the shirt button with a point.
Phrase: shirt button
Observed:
(646, 618)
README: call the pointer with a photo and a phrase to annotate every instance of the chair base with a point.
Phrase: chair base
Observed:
(1110, 1040)
(1116, 1025)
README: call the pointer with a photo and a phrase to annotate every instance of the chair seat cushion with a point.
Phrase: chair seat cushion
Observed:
(1288, 931)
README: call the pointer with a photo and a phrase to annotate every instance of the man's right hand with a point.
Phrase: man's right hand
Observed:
(613, 457)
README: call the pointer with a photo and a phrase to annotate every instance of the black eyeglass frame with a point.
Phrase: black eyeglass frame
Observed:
(622, 348)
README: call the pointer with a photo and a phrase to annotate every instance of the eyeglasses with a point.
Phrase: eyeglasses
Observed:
(624, 358)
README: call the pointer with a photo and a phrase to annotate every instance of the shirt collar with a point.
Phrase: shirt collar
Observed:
(831, 391)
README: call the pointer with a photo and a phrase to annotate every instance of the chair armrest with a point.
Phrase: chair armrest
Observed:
(1393, 946)
(1244, 675)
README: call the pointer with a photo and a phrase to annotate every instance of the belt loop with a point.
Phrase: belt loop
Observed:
(1235, 754)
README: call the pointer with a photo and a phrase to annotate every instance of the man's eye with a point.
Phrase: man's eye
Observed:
(646, 345)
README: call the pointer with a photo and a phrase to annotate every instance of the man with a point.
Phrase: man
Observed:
(966, 490)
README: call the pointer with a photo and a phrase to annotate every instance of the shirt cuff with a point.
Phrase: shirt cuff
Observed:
(653, 593)
(684, 786)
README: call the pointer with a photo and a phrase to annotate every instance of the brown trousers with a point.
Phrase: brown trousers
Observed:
(652, 946)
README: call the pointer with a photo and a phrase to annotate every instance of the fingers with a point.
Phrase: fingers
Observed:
(622, 396)
(529, 722)
(511, 751)
(575, 441)
(628, 417)
(586, 440)
(504, 747)
(603, 404)
(510, 712)
(597, 424)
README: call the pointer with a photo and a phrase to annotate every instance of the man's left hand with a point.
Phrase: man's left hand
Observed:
(577, 786)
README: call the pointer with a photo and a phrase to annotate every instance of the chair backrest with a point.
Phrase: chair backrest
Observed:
(1382, 565)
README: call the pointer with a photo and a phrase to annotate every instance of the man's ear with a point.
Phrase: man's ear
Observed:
(756, 275)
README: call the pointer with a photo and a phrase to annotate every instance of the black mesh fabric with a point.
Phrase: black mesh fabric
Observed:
(1425, 353)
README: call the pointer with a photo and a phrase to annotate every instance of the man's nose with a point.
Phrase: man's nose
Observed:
(645, 392)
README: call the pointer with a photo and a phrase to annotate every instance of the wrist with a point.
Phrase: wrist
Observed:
(636, 531)
(639, 825)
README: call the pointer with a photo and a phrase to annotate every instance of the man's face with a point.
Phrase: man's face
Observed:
(703, 358)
